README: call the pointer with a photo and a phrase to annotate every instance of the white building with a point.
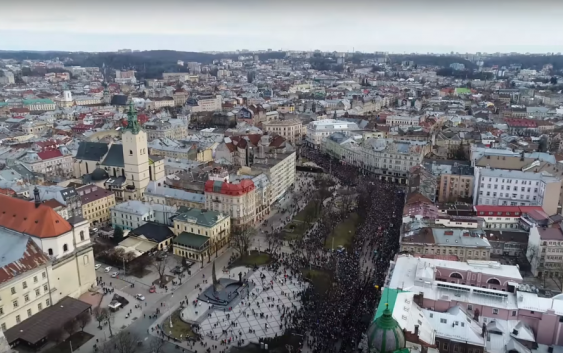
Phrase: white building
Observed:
(207, 104)
(319, 130)
(133, 214)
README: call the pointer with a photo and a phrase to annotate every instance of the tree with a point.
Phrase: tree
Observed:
(125, 342)
(83, 319)
(543, 144)
(70, 326)
(156, 345)
(100, 315)
(274, 240)
(55, 334)
(161, 267)
(118, 234)
(241, 238)
(459, 153)
(140, 264)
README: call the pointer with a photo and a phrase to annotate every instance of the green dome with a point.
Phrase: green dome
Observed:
(385, 335)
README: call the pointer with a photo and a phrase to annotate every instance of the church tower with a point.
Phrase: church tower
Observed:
(135, 157)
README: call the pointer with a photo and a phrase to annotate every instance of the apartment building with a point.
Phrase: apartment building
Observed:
(504, 217)
(196, 227)
(319, 130)
(174, 130)
(545, 251)
(96, 204)
(133, 214)
(55, 162)
(237, 199)
(39, 104)
(279, 169)
(402, 120)
(458, 184)
(291, 130)
(156, 192)
(206, 104)
(388, 158)
(466, 244)
(516, 188)
(159, 102)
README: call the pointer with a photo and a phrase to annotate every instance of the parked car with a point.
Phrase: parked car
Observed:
(97, 266)
(140, 297)
(107, 269)
(114, 275)
(152, 289)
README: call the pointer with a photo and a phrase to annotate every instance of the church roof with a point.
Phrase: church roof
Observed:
(91, 151)
(114, 157)
(24, 217)
(385, 335)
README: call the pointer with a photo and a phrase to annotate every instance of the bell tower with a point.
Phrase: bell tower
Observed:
(135, 157)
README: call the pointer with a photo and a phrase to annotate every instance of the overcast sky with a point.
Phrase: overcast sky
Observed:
(365, 25)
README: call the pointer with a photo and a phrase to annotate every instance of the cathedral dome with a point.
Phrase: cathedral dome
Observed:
(99, 174)
(385, 335)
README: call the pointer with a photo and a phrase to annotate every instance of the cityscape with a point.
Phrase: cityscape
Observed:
(278, 200)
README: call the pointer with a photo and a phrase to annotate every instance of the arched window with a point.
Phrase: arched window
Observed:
(65, 247)
(50, 251)
(493, 281)
(130, 152)
(456, 275)
(81, 235)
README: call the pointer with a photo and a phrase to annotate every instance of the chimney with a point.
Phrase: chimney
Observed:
(36, 195)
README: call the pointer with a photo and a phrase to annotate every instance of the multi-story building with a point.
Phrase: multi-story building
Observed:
(96, 204)
(173, 197)
(402, 120)
(516, 188)
(504, 217)
(319, 130)
(194, 225)
(455, 185)
(279, 169)
(388, 158)
(159, 102)
(545, 251)
(206, 104)
(57, 162)
(466, 244)
(291, 130)
(66, 196)
(39, 104)
(45, 259)
(236, 199)
(165, 129)
(133, 214)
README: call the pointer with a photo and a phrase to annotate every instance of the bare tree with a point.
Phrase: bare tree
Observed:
(55, 334)
(100, 314)
(83, 319)
(156, 345)
(70, 326)
(161, 267)
(125, 342)
(348, 201)
(274, 240)
(241, 238)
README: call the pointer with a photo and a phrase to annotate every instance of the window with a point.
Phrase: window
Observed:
(1, 311)
(44, 275)
(28, 312)
(65, 248)
(18, 319)
(38, 292)
(46, 288)
(3, 327)
(48, 302)
(469, 307)
(443, 321)
(39, 306)
(35, 279)
(26, 298)
(24, 284)
(15, 303)
(13, 290)
(81, 235)
(50, 251)
(495, 311)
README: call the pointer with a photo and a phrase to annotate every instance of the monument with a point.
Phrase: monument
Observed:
(217, 287)
(222, 291)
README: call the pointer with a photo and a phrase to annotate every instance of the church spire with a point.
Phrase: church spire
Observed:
(132, 122)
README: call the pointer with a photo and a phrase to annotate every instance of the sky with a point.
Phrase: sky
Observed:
(399, 26)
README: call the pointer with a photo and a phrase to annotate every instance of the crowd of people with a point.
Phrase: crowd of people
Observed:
(333, 318)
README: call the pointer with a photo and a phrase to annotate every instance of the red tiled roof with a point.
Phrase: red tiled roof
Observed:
(515, 122)
(238, 189)
(31, 258)
(24, 217)
(50, 154)
(505, 211)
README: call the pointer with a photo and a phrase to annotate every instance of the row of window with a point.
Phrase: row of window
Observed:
(24, 283)
(29, 314)
(509, 181)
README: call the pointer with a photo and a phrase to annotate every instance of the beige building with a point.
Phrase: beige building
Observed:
(278, 167)
(165, 129)
(208, 104)
(466, 244)
(96, 204)
(291, 130)
(545, 252)
(454, 186)
(235, 199)
(159, 102)
(46, 259)
(191, 226)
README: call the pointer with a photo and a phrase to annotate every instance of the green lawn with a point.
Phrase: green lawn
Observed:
(255, 258)
(343, 232)
(179, 327)
(77, 339)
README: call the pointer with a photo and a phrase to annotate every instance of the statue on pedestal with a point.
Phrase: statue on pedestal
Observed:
(216, 285)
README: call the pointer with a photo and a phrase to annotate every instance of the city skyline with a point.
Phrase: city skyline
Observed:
(405, 27)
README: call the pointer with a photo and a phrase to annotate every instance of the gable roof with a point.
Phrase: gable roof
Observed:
(114, 157)
(91, 151)
(19, 254)
(153, 231)
(22, 216)
(119, 99)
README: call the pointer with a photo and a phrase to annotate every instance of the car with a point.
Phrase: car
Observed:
(114, 275)
(152, 289)
(107, 269)
(140, 297)
(97, 266)
(93, 230)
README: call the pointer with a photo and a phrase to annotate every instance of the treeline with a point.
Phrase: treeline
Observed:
(535, 62)
(464, 74)
(431, 60)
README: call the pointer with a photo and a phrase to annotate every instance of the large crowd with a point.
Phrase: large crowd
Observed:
(334, 317)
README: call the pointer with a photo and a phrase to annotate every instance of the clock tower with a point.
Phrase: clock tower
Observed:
(135, 157)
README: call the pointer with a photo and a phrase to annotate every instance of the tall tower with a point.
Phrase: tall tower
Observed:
(135, 157)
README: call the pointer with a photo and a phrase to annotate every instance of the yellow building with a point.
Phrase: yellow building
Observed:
(200, 233)
(96, 204)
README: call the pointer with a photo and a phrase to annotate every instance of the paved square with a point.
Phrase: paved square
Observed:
(249, 317)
